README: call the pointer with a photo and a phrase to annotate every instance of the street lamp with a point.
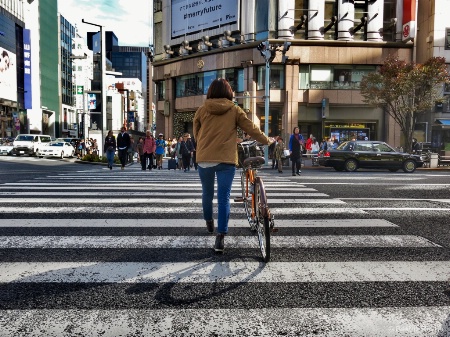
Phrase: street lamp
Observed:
(103, 72)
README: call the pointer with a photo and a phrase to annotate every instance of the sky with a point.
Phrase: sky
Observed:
(130, 20)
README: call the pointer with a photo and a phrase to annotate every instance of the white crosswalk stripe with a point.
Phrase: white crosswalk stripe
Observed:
(100, 252)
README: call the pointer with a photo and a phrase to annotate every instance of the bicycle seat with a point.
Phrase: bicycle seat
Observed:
(254, 161)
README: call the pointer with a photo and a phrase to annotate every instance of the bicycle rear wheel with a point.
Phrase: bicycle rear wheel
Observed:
(262, 220)
(247, 199)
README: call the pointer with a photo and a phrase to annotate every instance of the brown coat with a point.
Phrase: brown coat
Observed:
(215, 131)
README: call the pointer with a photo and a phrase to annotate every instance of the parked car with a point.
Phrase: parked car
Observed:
(29, 144)
(57, 149)
(352, 155)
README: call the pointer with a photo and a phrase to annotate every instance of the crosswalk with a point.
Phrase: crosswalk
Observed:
(126, 253)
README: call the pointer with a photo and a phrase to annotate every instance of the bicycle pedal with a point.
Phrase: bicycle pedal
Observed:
(238, 199)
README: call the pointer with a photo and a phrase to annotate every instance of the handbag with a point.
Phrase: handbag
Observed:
(286, 153)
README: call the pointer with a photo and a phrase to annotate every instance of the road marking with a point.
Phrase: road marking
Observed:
(173, 210)
(200, 242)
(152, 194)
(186, 201)
(374, 322)
(165, 223)
(224, 272)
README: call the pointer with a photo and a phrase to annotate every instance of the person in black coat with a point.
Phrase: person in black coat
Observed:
(295, 150)
(186, 149)
(110, 148)
(123, 143)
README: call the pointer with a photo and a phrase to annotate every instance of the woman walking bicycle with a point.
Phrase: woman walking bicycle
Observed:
(215, 130)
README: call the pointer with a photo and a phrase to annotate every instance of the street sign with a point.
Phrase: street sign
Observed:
(80, 89)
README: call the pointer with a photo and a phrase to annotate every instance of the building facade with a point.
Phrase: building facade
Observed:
(314, 84)
(433, 40)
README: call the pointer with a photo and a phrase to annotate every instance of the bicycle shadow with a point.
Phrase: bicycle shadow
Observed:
(184, 287)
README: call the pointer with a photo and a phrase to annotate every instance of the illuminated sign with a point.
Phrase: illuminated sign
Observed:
(27, 69)
(8, 75)
(409, 20)
(190, 16)
(92, 99)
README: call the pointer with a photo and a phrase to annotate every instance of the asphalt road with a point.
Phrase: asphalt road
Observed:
(89, 251)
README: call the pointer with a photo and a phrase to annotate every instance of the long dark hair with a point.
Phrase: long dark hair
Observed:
(220, 88)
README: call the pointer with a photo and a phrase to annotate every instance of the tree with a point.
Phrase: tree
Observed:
(406, 90)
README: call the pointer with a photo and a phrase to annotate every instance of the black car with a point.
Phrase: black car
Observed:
(351, 155)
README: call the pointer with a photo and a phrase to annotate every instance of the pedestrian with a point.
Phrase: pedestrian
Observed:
(178, 155)
(415, 146)
(160, 150)
(149, 149)
(123, 143)
(110, 148)
(186, 149)
(140, 152)
(295, 151)
(131, 150)
(308, 146)
(194, 154)
(271, 153)
(315, 147)
(215, 130)
(278, 154)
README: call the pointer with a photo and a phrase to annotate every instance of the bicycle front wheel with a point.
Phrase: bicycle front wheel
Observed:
(262, 220)
(247, 198)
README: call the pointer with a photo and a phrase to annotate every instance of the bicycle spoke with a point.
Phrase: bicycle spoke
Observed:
(263, 223)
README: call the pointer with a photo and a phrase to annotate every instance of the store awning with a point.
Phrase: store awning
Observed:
(443, 121)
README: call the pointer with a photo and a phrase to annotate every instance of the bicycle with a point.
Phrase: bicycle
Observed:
(254, 195)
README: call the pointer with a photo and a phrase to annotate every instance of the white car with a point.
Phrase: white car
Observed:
(6, 150)
(58, 149)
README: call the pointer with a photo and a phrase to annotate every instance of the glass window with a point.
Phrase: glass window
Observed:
(161, 88)
(332, 77)
(363, 147)
(276, 77)
(198, 84)
(303, 79)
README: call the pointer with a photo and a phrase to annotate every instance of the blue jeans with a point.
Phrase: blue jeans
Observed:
(110, 157)
(225, 175)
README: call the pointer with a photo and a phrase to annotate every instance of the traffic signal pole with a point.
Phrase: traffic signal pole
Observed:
(268, 52)
(266, 109)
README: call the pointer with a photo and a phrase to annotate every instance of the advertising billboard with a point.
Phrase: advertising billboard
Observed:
(190, 16)
(27, 69)
(8, 75)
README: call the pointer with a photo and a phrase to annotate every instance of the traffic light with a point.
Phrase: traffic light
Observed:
(262, 47)
(286, 47)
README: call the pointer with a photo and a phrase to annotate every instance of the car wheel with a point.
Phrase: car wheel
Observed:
(409, 166)
(351, 165)
(62, 154)
(393, 169)
(338, 168)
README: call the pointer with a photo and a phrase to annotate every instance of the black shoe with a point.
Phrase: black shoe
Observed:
(298, 172)
(210, 225)
(110, 167)
(293, 174)
(219, 246)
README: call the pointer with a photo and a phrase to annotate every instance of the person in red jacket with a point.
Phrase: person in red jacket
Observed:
(308, 146)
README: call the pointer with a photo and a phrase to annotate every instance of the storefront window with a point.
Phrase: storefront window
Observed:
(276, 77)
(198, 84)
(332, 77)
